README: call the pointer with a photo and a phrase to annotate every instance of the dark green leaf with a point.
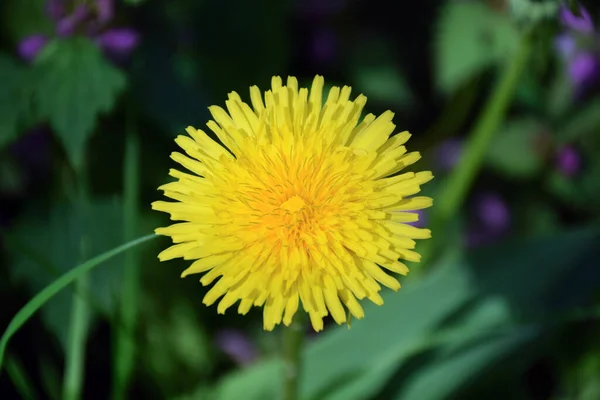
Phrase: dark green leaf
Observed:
(49, 246)
(25, 17)
(170, 101)
(376, 74)
(74, 84)
(13, 99)
(444, 376)
(513, 149)
(560, 94)
(585, 121)
(470, 37)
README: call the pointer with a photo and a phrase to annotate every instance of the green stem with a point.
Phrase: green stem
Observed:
(19, 377)
(293, 342)
(80, 313)
(459, 182)
(125, 346)
(56, 286)
(75, 355)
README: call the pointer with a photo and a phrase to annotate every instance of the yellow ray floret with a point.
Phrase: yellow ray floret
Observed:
(302, 205)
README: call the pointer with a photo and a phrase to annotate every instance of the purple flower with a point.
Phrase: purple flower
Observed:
(105, 10)
(118, 41)
(566, 46)
(55, 9)
(69, 24)
(421, 221)
(324, 46)
(582, 24)
(583, 68)
(237, 346)
(30, 47)
(493, 213)
(448, 153)
(568, 161)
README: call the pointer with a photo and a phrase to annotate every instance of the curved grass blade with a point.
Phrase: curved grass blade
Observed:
(63, 281)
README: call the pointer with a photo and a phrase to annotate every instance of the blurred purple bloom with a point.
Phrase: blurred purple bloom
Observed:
(566, 46)
(30, 47)
(69, 24)
(582, 24)
(118, 41)
(448, 153)
(422, 221)
(583, 68)
(55, 9)
(324, 46)
(568, 161)
(493, 213)
(105, 10)
(237, 346)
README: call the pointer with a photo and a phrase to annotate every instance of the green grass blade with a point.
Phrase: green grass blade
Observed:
(19, 377)
(124, 349)
(52, 289)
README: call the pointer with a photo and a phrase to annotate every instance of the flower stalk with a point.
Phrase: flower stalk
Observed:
(125, 346)
(461, 179)
(293, 343)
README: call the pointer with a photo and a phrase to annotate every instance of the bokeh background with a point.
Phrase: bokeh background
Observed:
(92, 94)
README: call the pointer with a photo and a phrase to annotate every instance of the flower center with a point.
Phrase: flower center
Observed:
(294, 204)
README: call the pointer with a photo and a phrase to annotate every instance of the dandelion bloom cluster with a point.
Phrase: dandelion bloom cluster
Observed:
(301, 204)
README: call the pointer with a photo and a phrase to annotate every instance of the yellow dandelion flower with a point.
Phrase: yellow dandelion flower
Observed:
(302, 204)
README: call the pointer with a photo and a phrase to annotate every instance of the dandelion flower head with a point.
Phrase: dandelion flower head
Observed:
(301, 204)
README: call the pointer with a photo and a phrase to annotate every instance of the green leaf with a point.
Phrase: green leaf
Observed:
(470, 38)
(178, 349)
(446, 375)
(513, 149)
(57, 239)
(261, 381)
(170, 101)
(19, 377)
(585, 121)
(559, 96)
(25, 17)
(376, 74)
(74, 85)
(13, 99)
(57, 286)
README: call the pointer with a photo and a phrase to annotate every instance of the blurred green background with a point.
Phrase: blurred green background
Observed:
(501, 97)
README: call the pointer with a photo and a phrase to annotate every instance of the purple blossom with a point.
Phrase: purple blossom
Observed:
(568, 161)
(448, 154)
(68, 25)
(421, 222)
(237, 346)
(492, 220)
(105, 10)
(118, 41)
(55, 9)
(30, 47)
(566, 46)
(582, 24)
(86, 19)
(583, 68)
(493, 213)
